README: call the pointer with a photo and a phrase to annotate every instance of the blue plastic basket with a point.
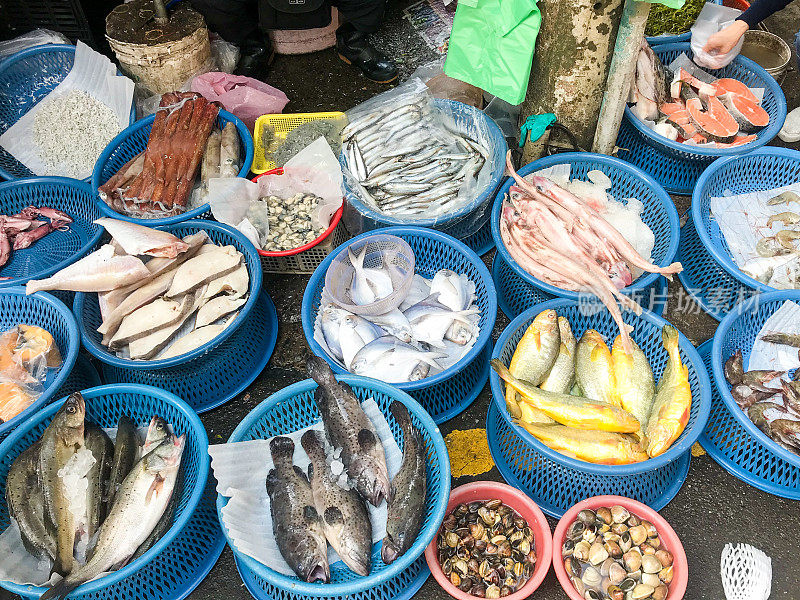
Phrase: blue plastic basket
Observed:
(730, 436)
(481, 241)
(556, 481)
(716, 283)
(655, 40)
(293, 408)
(462, 224)
(677, 166)
(59, 248)
(25, 78)
(82, 377)
(448, 393)
(215, 372)
(517, 289)
(133, 140)
(104, 406)
(41, 310)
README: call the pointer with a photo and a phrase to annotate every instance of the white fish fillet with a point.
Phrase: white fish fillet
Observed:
(138, 239)
(100, 271)
(233, 285)
(147, 347)
(216, 308)
(206, 266)
(195, 339)
(149, 318)
(136, 299)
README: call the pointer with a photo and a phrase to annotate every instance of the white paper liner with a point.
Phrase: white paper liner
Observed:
(241, 469)
(742, 219)
(454, 352)
(92, 73)
(776, 356)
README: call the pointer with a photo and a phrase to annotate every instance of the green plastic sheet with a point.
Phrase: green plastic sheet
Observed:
(676, 4)
(491, 46)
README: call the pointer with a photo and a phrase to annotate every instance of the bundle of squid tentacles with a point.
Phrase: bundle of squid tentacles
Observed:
(157, 182)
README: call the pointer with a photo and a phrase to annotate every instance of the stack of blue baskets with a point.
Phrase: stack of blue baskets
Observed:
(730, 437)
(709, 273)
(555, 481)
(187, 551)
(293, 408)
(25, 78)
(677, 166)
(204, 379)
(518, 290)
(133, 140)
(469, 224)
(450, 392)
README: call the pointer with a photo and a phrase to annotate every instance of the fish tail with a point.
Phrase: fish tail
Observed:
(502, 370)
(59, 591)
(320, 371)
(670, 336)
(357, 260)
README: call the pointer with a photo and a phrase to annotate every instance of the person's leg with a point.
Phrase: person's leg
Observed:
(362, 17)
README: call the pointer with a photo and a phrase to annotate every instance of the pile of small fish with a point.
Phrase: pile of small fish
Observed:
(437, 320)
(26, 353)
(486, 549)
(25, 227)
(595, 404)
(410, 160)
(281, 148)
(774, 410)
(89, 505)
(563, 240)
(146, 306)
(309, 512)
(158, 181)
(611, 554)
(721, 113)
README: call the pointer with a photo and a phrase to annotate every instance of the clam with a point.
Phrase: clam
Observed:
(478, 590)
(651, 579)
(604, 514)
(660, 592)
(617, 573)
(638, 534)
(651, 529)
(627, 585)
(632, 560)
(591, 577)
(587, 517)
(578, 585)
(593, 595)
(572, 566)
(614, 592)
(642, 591)
(493, 591)
(575, 531)
(605, 567)
(625, 542)
(665, 575)
(597, 553)
(650, 564)
(619, 514)
(567, 548)
(613, 549)
(664, 557)
(581, 551)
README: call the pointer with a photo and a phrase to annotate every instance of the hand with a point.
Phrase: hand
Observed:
(723, 41)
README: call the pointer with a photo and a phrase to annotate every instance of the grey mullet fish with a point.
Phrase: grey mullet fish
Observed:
(125, 448)
(295, 520)
(345, 519)
(406, 511)
(349, 428)
(101, 447)
(62, 438)
(140, 503)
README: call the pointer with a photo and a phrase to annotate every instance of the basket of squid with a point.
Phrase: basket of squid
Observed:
(575, 415)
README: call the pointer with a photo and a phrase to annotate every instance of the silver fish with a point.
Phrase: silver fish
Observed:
(355, 332)
(369, 284)
(430, 320)
(391, 360)
(420, 289)
(210, 263)
(406, 510)
(330, 321)
(394, 323)
(140, 503)
(345, 519)
(349, 428)
(100, 271)
(456, 291)
(295, 520)
(138, 239)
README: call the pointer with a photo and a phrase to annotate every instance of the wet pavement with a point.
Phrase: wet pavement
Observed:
(711, 509)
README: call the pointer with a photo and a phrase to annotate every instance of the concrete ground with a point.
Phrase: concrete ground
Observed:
(713, 507)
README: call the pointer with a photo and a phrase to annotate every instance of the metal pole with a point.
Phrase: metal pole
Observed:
(620, 75)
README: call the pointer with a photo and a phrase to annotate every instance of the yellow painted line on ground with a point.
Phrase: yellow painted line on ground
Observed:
(469, 452)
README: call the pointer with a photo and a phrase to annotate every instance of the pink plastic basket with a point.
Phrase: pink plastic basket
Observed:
(668, 536)
(527, 509)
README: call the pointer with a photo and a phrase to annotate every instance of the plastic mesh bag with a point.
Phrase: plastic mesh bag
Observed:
(746, 572)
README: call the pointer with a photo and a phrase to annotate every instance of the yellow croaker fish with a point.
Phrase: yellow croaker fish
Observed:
(635, 387)
(599, 447)
(673, 401)
(533, 358)
(594, 368)
(562, 374)
(572, 411)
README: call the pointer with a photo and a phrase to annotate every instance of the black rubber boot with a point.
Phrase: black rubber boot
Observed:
(354, 49)
(255, 56)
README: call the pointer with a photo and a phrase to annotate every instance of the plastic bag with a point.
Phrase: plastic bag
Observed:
(36, 37)
(230, 199)
(442, 86)
(491, 46)
(245, 97)
(713, 18)
(225, 54)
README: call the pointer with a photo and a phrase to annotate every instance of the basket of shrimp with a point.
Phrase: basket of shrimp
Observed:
(296, 222)
(410, 306)
(46, 223)
(39, 343)
(179, 307)
(743, 235)
(579, 223)
(754, 427)
(682, 117)
(120, 472)
(357, 483)
(157, 171)
(410, 159)
(585, 404)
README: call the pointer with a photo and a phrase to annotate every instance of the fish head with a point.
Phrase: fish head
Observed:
(313, 568)
(420, 371)
(372, 479)
(167, 455)
(72, 414)
(391, 548)
(157, 431)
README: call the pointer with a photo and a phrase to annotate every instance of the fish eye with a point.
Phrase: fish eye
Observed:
(71, 409)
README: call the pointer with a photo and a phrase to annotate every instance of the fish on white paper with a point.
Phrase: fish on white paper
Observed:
(138, 239)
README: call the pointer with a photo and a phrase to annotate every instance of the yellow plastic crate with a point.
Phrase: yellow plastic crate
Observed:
(282, 124)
